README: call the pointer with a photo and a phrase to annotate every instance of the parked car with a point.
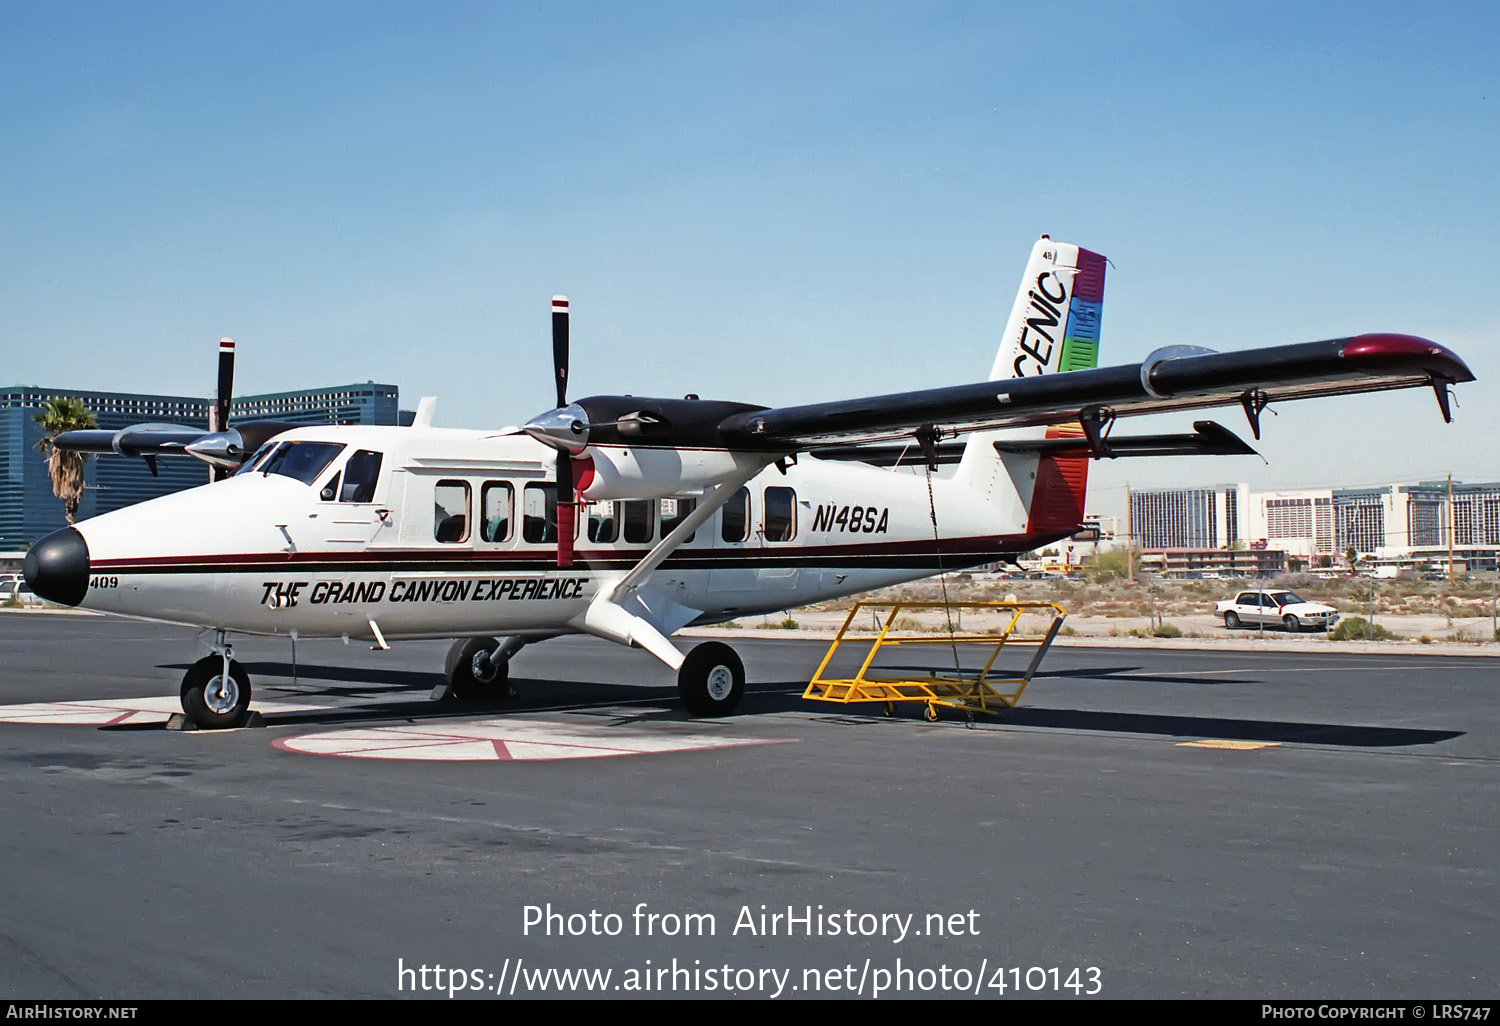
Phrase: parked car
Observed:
(1284, 609)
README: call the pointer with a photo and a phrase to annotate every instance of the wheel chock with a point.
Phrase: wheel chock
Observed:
(181, 721)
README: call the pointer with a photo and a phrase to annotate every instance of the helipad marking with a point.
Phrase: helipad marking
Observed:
(1227, 745)
(111, 712)
(510, 740)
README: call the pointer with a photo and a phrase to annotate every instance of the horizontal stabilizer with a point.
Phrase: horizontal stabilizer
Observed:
(1207, 439)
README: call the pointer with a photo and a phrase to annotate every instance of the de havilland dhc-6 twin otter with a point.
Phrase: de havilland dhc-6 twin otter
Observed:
(692, 511)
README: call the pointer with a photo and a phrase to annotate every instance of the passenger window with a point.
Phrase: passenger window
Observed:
(781, 514)
(604, 522)
(360, 475)
(450, 514)
(736, 526)
(540, 523)
(674, 512)
(638, 520)
(498, 501)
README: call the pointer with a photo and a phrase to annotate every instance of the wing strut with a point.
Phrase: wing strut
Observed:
(606, 616)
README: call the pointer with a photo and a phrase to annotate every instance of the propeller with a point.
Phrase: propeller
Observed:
(219, 415)
(567, 510)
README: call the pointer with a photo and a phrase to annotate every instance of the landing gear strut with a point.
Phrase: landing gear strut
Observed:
(216, 689)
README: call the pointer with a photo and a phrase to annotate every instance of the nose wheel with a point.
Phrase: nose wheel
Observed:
(212, 698)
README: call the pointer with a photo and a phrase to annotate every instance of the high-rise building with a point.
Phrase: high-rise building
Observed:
(29, 510)
(1197, 518)
(1407, 526)
(1296, 522)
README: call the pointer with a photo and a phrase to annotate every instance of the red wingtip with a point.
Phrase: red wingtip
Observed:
(1407, 350)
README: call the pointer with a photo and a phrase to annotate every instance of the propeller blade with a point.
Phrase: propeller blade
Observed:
(560, 347)
(226, 385)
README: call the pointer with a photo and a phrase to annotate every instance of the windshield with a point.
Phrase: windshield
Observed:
(1286, 598)
(301, 461)
(256, 457)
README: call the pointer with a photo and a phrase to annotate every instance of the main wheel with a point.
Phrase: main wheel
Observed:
(470, 672)
(1291, 623)
(210, 699)
(712, 680)
(1232, 620)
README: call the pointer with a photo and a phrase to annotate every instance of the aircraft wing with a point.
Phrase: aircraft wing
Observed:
(224, 449)
(136, 440)
(1175, 378)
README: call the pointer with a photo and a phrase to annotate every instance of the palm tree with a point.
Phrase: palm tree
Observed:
(64, 413)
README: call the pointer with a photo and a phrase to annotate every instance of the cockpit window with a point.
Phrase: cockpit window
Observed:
(360, 475)
(301, 461)
(256, 457)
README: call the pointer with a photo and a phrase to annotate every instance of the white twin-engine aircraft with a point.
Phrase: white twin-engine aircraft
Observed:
(692, 511)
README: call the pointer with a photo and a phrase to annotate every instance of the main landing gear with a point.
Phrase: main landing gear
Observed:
(480, 667)
(712, 680)
(216, 689)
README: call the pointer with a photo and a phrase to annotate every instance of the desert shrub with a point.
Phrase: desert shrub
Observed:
(788, 624)
(1168, 630)
(1355, 628)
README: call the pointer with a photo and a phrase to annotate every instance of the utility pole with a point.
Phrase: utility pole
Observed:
(1129, 536)
(1452, 526)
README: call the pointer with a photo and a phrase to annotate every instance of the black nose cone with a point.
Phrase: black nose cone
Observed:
(57, 567)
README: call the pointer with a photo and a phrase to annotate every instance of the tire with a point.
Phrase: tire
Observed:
(211, 702)
(1291, 623)
(712, 680)
(1232, 620)
(469, 672)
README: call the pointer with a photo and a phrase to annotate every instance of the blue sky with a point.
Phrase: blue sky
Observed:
(769, 202)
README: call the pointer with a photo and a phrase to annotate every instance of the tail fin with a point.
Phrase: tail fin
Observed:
(1053, 328)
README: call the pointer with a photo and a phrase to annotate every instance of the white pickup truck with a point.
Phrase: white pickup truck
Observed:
(1275, 609)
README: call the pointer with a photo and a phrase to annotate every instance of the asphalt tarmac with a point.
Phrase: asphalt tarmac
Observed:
(1337, 839)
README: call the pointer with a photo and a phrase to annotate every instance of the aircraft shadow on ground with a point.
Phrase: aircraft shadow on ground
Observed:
(788, 697)
(661, 704)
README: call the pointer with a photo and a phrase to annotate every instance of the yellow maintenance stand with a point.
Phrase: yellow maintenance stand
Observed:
(956, 689)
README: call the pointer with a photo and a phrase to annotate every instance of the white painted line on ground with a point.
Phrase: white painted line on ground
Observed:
(112, 712)
(512, 740)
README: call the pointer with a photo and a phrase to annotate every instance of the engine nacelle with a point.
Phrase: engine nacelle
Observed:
(620, 472)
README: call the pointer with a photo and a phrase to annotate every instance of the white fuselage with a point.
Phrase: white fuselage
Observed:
(449, 541)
